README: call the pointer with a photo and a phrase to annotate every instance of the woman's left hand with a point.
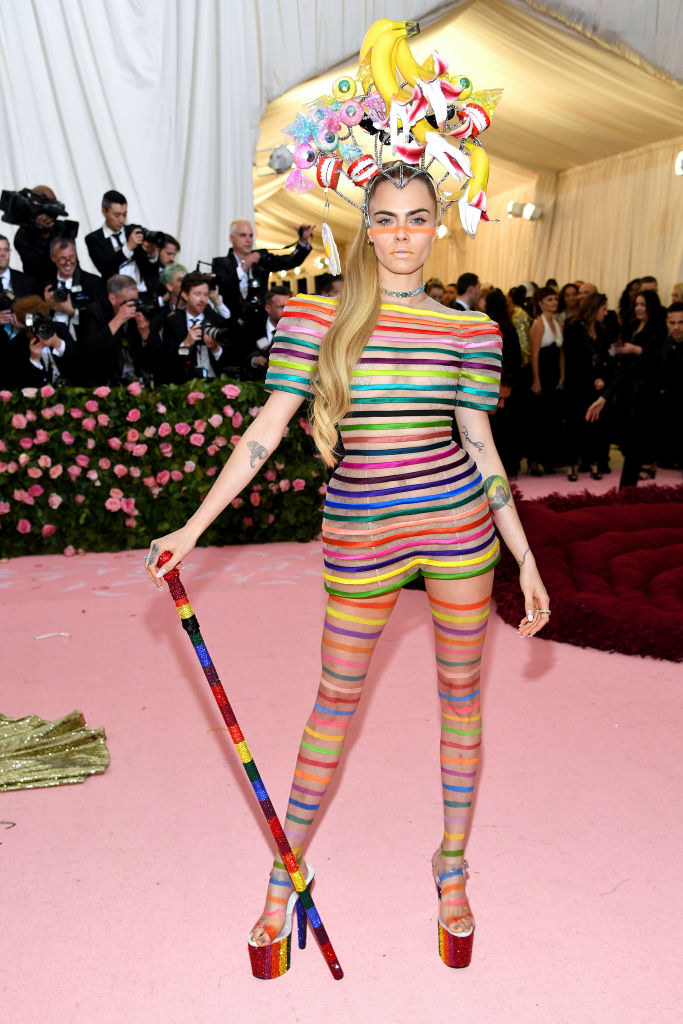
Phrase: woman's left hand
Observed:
(536, 600)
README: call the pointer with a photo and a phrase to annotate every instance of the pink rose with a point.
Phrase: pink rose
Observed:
(89, 423)
(199, 426)
(128, 505)
(24, 526)
(322, 489)
(114, 443)
(90, 443)
(44, 461)
(305, 426)
(67, 438)
(19, 494)
(93, 475)
(30, 416)
(132, 436)
(26, 443)
(183, 428)
(235, 438)
(284, 485)
(120, 470)
(164, 429)
(135, 471)
(216, 419)
(34, 472)
(166, 449)
(55, 472)
(255, 410)
(231, 391)
(150, 431)
(237, 420)
(102, 391)
(271, 519)
(130, 521)
(228, 410)
(161, 408)
(58, 409)
(135, 388)
(133, 415)
(103, 419)
(91, 405)
(79, 499)
(3, 468)
(104, 464)
(112, 504)
(4, 508)
(139, 450)
(115, 492)
(189, 466)
(47, 414)
(163, 476)
(69, 550)
(237, 502)
(298, 484)
(24, 459)
(197, 440)
(255, 498)
(269, 474)
(47, 391)
(76, 413)
(280, 465)
(12, 466)
(273, 488)
(18, 421)
(194, 396)
(42, 436)
(48, 530)
(248, 521)
(220, 441)
(176, 475)
(35, 490)
(3, 446)
(148, 481)
(5, 395)
(211, 450)
(74, 471)
(82, 460)
(211, 471)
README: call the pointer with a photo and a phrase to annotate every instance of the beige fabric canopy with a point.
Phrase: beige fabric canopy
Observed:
(582, 129)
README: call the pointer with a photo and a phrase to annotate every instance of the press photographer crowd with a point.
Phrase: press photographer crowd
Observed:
(578, 376)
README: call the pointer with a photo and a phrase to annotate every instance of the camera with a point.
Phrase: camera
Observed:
(23, 207)
(148, 309)
(219, 334)
(155, 237)
(41, 326)
(6, 299)
(79, 299)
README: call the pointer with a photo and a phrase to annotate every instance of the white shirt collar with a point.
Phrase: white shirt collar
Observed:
(199, 317)
(4, 277)
(108, 231)
(464, 302)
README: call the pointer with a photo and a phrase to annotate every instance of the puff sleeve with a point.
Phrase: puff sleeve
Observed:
(296, 342)
(481, 361)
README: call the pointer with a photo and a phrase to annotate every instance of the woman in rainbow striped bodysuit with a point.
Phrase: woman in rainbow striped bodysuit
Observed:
(404, 499)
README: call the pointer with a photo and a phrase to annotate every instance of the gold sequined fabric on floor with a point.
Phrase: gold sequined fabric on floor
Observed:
(34, 752)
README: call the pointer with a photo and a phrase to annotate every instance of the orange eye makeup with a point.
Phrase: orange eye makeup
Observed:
(410, 230)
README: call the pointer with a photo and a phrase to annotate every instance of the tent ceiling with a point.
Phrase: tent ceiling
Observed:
(567, 101)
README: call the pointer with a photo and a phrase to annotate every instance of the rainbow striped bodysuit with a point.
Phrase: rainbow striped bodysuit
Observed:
(405, 498)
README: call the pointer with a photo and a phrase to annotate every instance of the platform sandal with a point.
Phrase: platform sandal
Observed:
(454, 949)
(273, 960)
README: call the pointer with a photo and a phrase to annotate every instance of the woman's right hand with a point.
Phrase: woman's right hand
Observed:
(536, 387)
(179, 543)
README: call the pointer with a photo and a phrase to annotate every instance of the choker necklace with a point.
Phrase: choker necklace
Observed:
(404, 295)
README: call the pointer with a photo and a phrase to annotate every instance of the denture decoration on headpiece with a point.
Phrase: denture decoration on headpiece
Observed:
(415, 113)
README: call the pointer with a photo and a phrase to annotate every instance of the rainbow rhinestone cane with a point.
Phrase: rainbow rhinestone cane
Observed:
(263, 954)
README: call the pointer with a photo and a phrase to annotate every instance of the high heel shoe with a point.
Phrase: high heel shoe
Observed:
(595, 473)
(572, 474)
(454, 949)
(647, 472)
(273, 960)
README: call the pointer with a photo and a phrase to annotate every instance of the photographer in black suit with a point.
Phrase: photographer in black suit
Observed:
(13, 285)
(120, 248)
(116, 339)
(276, 300)
(195, 340)
(69, 289)
(33, 238)
(42, 352)
(243, 273)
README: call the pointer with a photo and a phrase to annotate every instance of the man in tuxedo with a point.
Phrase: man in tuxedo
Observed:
(188, 350)
(13, 285)
(34, 358)
(243, 274)
(276, 300)
(469, 292)
(32, 241)
(108, 245)
(116, 339)
(82, 288)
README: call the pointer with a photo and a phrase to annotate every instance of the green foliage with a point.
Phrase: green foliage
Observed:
(106, 470)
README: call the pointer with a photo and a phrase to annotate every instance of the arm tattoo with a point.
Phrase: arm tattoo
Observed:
(497, 491)
(475, 444)
(520, 561)
(258, 452)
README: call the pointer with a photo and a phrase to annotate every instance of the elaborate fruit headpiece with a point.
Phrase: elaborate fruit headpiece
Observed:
(417, 114)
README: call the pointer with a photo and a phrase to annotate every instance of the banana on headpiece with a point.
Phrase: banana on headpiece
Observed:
(417, 114)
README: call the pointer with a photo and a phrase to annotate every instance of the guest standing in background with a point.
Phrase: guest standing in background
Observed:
(585, 354)
(547, 380)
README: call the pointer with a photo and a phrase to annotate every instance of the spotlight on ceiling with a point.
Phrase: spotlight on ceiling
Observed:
(442, 231)
(515, 209)
(678, 163)
(532, 212)
(283, 274)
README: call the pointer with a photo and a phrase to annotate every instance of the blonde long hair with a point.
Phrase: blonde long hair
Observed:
(342, 346)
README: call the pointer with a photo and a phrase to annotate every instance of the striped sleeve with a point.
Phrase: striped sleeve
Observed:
(480, 367)
(294, 352)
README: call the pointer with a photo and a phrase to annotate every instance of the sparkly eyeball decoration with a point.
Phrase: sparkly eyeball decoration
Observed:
(325, 140)
(344, 88)
(304, 156)
(351, 113)
(328, 170)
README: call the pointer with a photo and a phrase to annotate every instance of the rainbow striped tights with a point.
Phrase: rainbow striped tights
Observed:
(352, 628)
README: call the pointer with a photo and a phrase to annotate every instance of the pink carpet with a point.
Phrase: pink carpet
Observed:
(129, 898)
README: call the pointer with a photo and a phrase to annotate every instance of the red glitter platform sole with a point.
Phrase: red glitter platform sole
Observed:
(454, 950)
(274, 959)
